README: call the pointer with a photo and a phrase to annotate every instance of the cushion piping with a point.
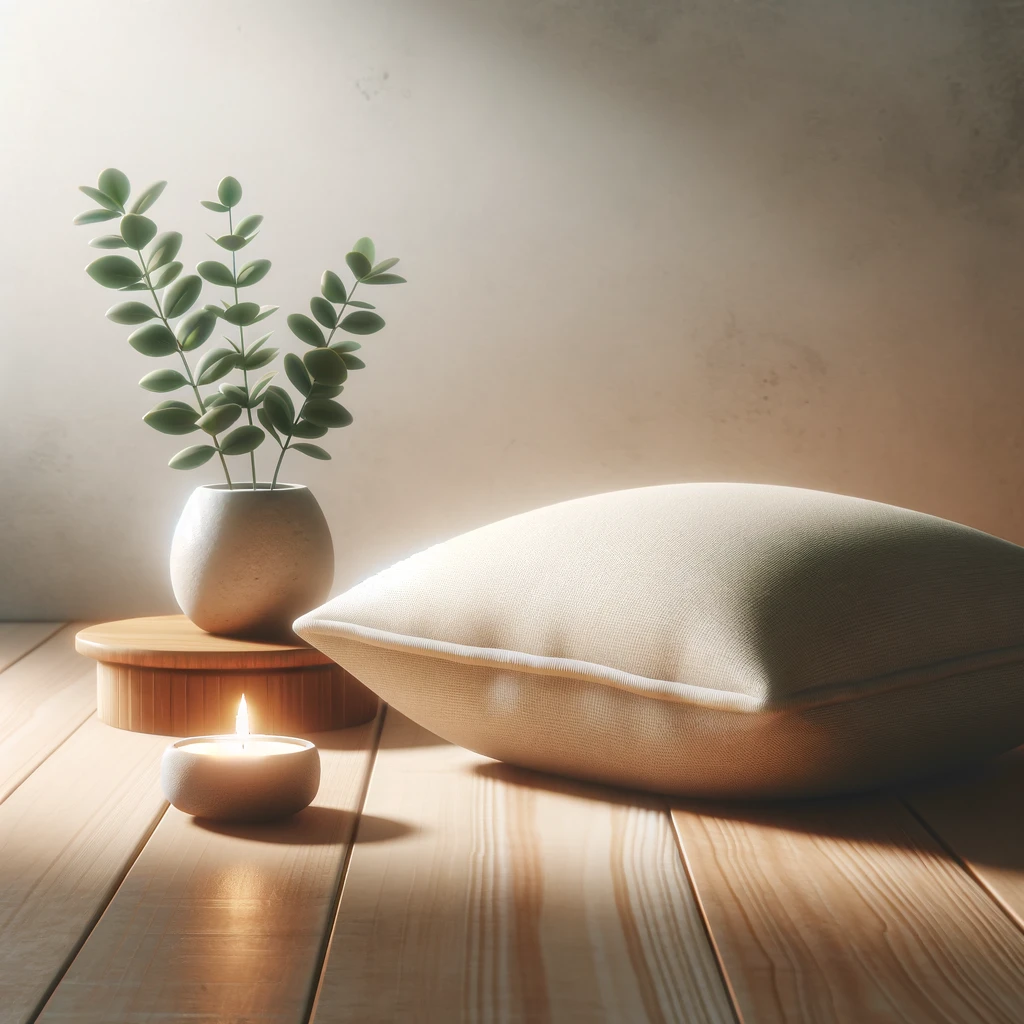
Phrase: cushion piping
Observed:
(666, 690)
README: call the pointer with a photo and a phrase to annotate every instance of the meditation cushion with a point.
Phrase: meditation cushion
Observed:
(706, 640)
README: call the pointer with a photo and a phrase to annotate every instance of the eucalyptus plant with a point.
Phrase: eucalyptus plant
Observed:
(318, 377)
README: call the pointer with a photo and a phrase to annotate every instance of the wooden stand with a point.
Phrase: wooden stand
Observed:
(165, 675)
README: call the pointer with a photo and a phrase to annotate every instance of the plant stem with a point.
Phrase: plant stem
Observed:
(184, 362)
(288, 439)
(241, 341)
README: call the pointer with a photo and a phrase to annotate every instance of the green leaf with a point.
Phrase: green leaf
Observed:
(304, 329)
(326, 390)
(165, 275)
(325, 366)
(165, 248)
(332, 287)
(353, 362)
(379, 268)
(362, 322)
(95, 216)
(172, 418)
(278, 404)
(248, 225)
(384, 279)
(216, 363)
(229, 191)
(260, 359)
(258, 344)
(360, 304)
(196, 328)
(99, 197)
(148, 197)
(365, 248)
(308, 430)
(324, 412)
(130, 313)
(264, 418)
(358, 264)
(242, 313)
(323, 311)
(231, 242)
(163, 380)
(212, 401)
(216, 273)
(137, 231)
(194, 457)
(108, 242)
(219, 418)
(236, 394)
(139, 286)
(314, 451)
(181, 296)
(297, 374)
(259, 387)
(216, 207)
(115, 184)
(153, 340)
(345, 346)
(113, 271)
(253, 272)
(242, 440)
(266, 311)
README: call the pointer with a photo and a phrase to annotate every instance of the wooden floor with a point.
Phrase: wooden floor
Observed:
(430, 884)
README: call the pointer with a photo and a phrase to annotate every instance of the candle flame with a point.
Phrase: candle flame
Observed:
(242, 721)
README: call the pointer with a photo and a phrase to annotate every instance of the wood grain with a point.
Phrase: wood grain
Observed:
(173, 641)
(165, 675)
(980, 816)
(18, 638)
(223, 923)
(67, 836)
(848, 910)
(44, 697)
(478, 893)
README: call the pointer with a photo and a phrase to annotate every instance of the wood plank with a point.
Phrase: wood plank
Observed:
(477, 892)
(848, 910)
(223, 923)
(18, 638)
(978, 816)
(44, 697)
(67, 836)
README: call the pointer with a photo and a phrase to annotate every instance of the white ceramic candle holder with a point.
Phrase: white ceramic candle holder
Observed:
(226, 778)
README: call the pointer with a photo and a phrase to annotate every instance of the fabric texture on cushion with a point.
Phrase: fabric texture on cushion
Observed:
(702, 639)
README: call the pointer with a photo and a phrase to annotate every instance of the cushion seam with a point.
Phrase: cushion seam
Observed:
(666, 690)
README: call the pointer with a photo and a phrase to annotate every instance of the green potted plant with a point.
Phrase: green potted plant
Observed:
(249, 555)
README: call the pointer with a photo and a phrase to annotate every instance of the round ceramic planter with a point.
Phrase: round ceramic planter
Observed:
(251, 787)
(249, 562)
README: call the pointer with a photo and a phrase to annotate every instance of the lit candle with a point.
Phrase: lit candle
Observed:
(243, 777)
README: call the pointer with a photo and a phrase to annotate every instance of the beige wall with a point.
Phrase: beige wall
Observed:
(646, 242)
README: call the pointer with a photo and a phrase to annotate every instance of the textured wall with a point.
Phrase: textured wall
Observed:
(647, 242)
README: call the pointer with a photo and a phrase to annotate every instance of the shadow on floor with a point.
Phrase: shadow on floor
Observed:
(971, 810)
(315, 826)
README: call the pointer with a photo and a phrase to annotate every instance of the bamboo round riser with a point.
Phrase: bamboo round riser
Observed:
(194, 703)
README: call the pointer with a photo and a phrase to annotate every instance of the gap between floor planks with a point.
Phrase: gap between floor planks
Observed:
(849, 909)
(45, 695)
(224, 922)
(19, 638)
(479, 892)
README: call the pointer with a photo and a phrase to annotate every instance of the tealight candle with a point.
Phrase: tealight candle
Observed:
(242, 777)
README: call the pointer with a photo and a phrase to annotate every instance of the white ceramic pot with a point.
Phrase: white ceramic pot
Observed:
(249, 562)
